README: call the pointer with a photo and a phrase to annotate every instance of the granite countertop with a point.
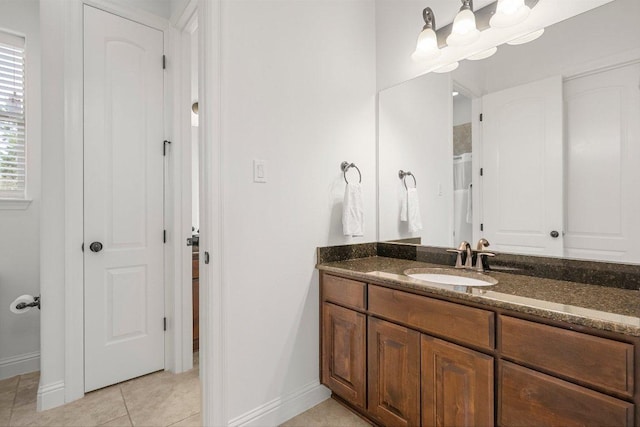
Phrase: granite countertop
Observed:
(600, 307)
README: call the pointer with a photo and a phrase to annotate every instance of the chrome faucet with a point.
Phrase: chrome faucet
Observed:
(465, 248)
(482, 243)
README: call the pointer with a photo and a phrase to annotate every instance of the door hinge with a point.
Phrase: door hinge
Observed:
(481, 116)
(481, 171)
(164, 236)
(164, 147)
(164, 62)
(164, 323)
(481, 227)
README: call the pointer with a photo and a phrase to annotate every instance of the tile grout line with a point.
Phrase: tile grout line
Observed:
(15, 397)
(179, 421)
(125, 405)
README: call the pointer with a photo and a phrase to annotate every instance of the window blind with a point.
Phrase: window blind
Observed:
(13, 153)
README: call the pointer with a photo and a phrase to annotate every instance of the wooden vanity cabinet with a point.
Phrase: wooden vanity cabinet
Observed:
(343, 353)
(405, 359)
(344, 339)
(530, 398)
(394, 373)
(457, 385)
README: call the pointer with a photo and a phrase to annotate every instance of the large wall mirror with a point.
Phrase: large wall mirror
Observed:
(553, 166)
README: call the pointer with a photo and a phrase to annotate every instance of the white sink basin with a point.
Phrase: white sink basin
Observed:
(452, 277)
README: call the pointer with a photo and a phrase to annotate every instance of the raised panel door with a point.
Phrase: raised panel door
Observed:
(123, 199)
(343, 353)
(394, 373)
(457, 385)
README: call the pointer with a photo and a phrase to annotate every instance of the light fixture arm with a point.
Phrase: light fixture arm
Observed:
(429, 19)
(467, 4)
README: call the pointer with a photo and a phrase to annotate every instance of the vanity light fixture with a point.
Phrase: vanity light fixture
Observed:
(447, 68)
(464, 30)
(526, 38)
(484, 54)
(508, 13)
(427, 45)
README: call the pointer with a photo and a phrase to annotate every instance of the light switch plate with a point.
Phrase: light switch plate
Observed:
(259, 171)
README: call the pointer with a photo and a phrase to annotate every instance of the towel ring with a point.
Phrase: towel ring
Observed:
(403, 176)
(345, 166)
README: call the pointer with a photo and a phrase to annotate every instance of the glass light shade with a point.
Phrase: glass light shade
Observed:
(447, 68)
(427, 46)
(526, 38)
(484, 54)
(508, 13)
(464, 29)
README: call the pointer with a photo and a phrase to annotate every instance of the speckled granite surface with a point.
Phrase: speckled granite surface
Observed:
(600, 307)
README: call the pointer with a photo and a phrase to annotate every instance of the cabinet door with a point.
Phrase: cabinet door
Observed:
(457, 385)
(343, 353)
(394, 373)
(527, 398)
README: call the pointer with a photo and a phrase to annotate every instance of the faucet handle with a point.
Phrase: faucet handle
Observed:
(458, 258)
(479, 265)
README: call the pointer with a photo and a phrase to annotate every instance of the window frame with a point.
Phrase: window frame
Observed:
(18, 200)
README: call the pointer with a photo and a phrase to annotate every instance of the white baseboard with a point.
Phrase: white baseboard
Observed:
(20, 364)
(281, 409)
(50, 395)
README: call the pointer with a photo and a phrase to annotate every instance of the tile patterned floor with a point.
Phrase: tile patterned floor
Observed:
(327, 414)
(156, 400)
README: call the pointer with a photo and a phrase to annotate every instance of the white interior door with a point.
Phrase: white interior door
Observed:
(603, 154)
(522, 164)
(123, 199)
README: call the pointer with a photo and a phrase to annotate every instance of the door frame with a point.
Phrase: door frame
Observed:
(213, 319)
(74, 197)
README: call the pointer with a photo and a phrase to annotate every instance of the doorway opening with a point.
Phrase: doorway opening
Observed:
(462, 167)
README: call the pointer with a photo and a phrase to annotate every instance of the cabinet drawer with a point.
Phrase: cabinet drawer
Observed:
(528, 398)
(604, 364)
(346, 292)
(445, 319)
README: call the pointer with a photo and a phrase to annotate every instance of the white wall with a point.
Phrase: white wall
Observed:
(568, 47)
(461, 110)
(298, 90)
(415, 134)
(19, 229)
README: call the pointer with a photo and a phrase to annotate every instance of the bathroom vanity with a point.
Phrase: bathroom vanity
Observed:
(405, 353)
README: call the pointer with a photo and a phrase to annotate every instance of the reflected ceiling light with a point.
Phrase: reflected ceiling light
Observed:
(508, 13)
(427, 45)
(455, 93)
(526, 38)
(464, 30)
(484, 54)
(447, 68)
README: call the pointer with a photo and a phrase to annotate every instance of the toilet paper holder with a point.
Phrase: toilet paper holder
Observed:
(35, 303)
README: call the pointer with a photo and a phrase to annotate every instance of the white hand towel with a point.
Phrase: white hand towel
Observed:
(403, 207)
(413, 211)
(353, 211)
(469, 204)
